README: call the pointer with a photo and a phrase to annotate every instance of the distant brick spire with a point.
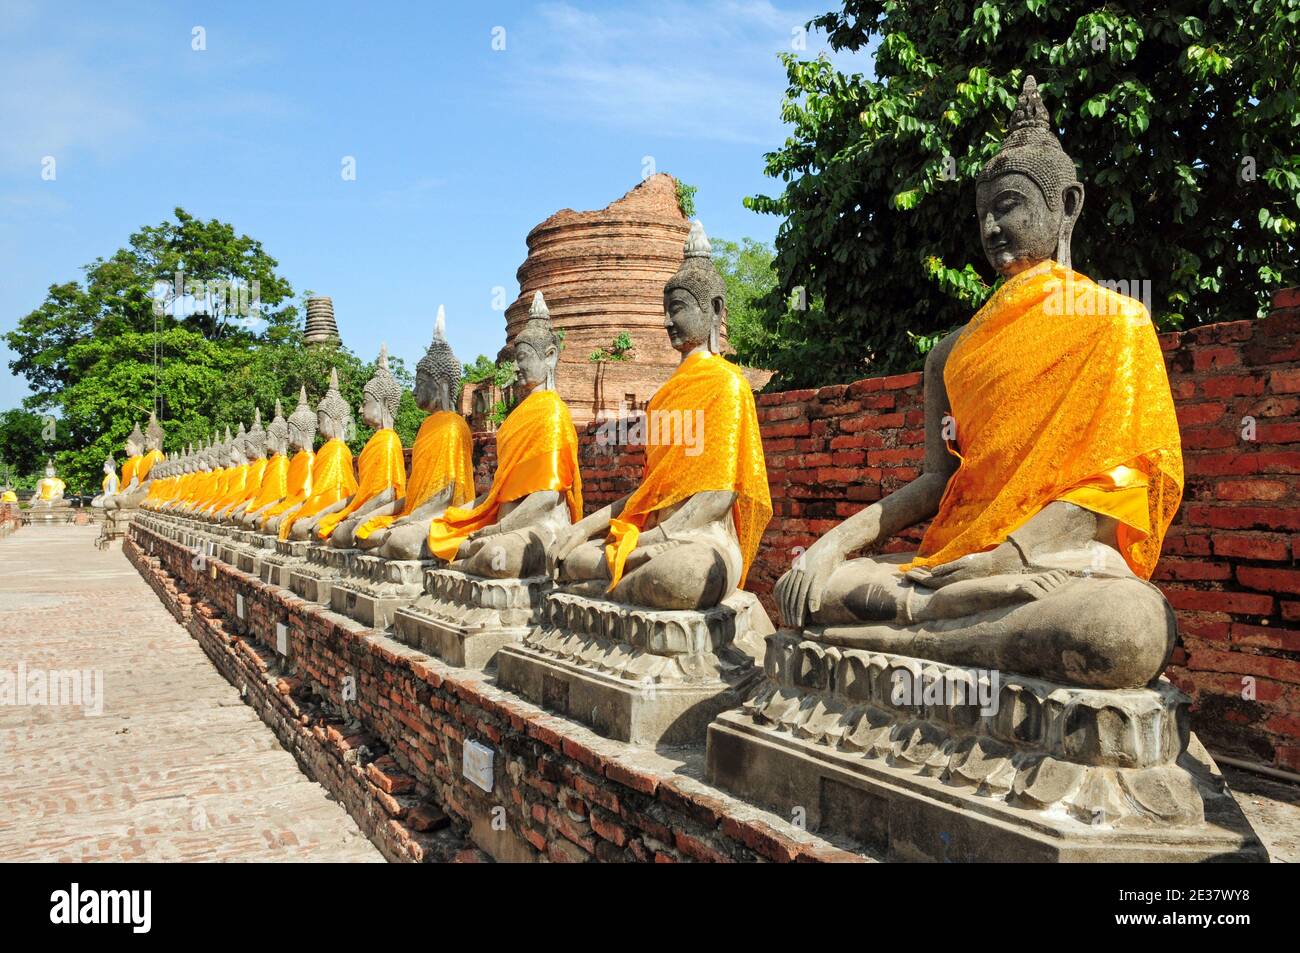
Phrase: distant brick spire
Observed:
(321, 327)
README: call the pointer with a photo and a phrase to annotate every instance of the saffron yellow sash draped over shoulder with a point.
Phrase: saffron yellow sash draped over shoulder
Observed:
(274, 485)
(331, 481)
(1059, 392)
(146, 465)
(129, 470)
(443, 454)
(380, 467)
(298, 484)
(245, 489)
(711, 396)
(537, 449)
(234, 487)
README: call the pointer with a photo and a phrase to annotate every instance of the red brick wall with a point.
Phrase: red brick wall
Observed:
(383, 727)
(1230, 558)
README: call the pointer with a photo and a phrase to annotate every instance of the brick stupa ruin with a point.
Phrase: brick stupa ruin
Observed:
(603, 273)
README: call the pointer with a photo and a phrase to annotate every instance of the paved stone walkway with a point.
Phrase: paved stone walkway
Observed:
(175, 767)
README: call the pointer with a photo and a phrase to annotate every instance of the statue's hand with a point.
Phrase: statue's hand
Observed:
(995, 562)
(799, 591)
(566, 544)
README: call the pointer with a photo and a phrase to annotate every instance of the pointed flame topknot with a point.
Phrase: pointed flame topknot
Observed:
(538, 308)
(279, 410)
(334, 379)
(382, 364)
(440, 324)
(302, 396)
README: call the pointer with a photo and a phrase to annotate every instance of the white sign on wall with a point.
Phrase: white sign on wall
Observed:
(282, 638)
(476, 764)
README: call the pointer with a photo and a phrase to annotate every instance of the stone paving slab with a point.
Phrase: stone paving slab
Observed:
(176, 767)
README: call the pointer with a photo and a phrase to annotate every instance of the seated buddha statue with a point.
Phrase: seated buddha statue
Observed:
(381, 467)
(1052, 468)
(267, 474)
(537, 491)
(179, 483)
(215, 487)
(49, 491)
(442, 466)
(109, 485)
(234, 476)
(143, 453)
(685, 538)
(298, 483)
(204, 478)
(332, 480)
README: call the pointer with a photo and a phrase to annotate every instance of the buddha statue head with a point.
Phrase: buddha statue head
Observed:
(236, 451)
(255, 439)
(333, 415)
(537, 349)
(277, 433)
(134, 444)
(110, 465)
(381, 395)
(302, 423)
(153, 434)
(695, 299)
(437, 375)
(49, 468)
(1028, 196)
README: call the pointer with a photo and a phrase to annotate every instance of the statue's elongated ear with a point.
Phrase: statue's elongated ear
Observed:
(1071, 206)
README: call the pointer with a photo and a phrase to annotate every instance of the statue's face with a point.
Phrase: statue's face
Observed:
(132, 448)
(431, 393)
(1017, 228)
(686, 322)
(108, 468)
(533, 364)
(49, 471)
(372, 410)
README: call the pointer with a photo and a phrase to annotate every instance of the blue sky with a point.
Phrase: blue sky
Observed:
(460, 149)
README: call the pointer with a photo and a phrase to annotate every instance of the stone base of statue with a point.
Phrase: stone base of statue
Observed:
(316, 577)
(638, 675)
(252, 547)
(42, 515)
(289, 555)
(466, 620)
(929, 762)
(374, 588)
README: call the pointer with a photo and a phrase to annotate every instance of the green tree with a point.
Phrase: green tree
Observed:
(165, 309)
(758, 340)
(26, 442)
(1182, 117)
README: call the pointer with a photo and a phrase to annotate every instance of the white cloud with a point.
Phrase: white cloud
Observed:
(705, 70)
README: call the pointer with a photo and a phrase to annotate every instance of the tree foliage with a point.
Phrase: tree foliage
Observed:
(88, 352)
(1181, 116)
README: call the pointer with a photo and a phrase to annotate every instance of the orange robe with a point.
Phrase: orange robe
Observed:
(252, 482)
(443, 454)
(331, 481)
(129, 470)
(537, 449)
(1056, 402)
(380, 467)
(712, 397)
(297, 484)
(146, 464)
(233, 489)
(274, 485)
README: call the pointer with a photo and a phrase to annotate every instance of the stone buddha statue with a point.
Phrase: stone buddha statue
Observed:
(49, 491)
(143, 453)
(686, 537)
(273, 484)
(332, 479)
(381, 467)
(234, 476)
(537, 492)
(997, 695)
(109, 485)
(252, 452)
(442, 462)
(222, 472)
(302, 438)
(496, 548)
(1052, 467)
(647, 635)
